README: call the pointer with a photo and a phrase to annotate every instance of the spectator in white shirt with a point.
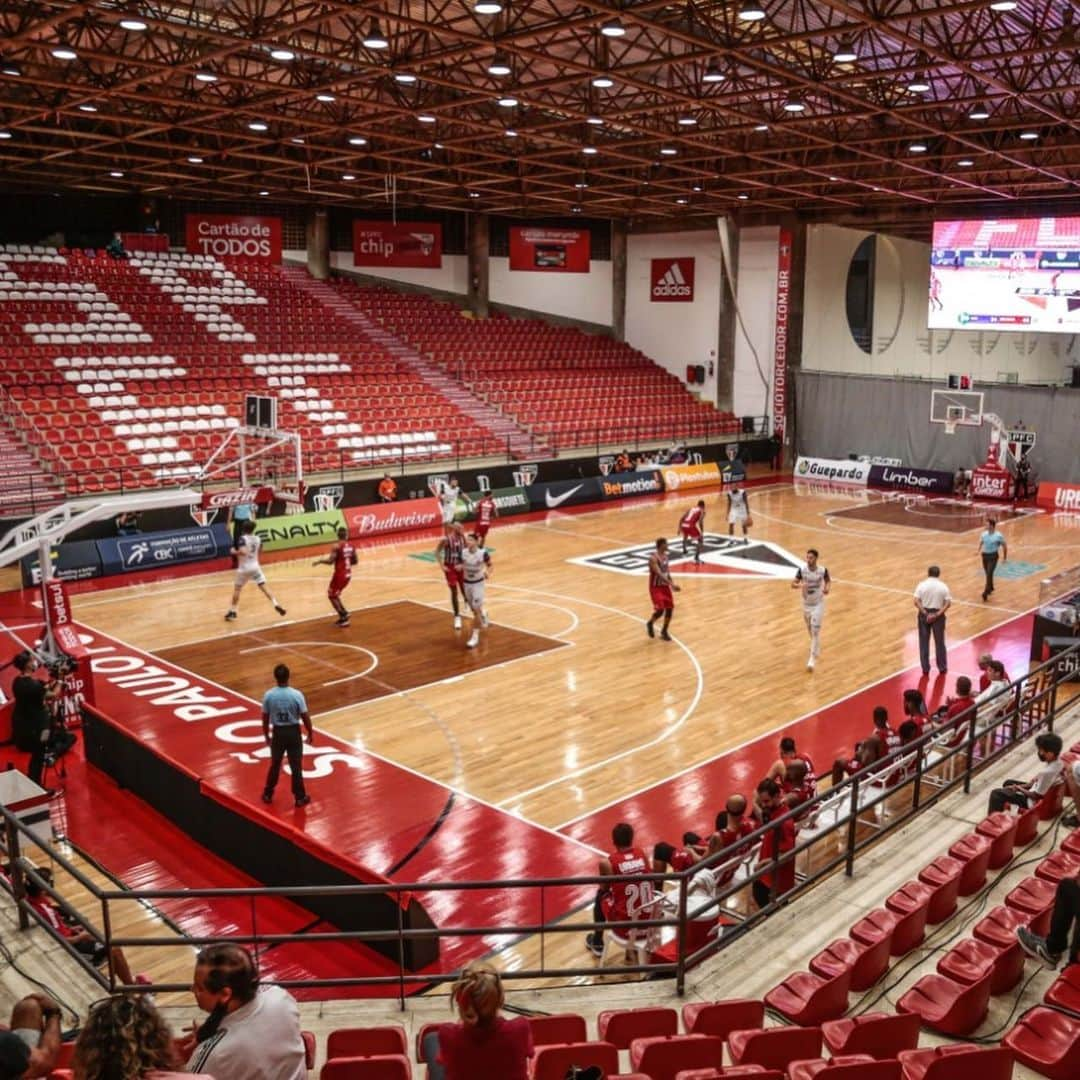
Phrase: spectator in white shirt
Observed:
(932, 599)
(252, 1032)
(1048, 746)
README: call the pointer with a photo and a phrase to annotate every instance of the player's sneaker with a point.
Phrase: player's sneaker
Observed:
(810, 664)
(279, 609)
(1035, 946)
(230, 615)
(649, 629)
(343, 621)
(664, 635)
(474, 640)
(457, 622)
(267, 796)
(303, 800)
(595, 944)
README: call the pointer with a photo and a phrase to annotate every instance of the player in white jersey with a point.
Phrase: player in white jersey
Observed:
(248, 568)
(738, 511)
(813, 580)
(448, 493)
(475, 570)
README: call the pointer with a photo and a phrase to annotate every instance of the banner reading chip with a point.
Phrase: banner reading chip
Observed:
(416, 244)
(551, 251)
(233, 236)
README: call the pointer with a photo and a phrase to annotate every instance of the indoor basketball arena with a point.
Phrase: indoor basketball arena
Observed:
(540, 541)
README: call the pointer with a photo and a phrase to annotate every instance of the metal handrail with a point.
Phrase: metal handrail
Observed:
(1028, 705)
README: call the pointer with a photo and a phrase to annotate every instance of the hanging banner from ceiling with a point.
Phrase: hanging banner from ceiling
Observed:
(415, 244)
(552, 251)
(233, 236)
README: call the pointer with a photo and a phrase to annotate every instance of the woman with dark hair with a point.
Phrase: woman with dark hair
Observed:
(252, 1032)
(125, 1038)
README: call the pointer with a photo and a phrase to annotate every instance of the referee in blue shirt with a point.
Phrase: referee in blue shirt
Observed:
(284, 710)
(992, 546)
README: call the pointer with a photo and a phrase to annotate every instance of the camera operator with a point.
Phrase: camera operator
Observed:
(31, 720)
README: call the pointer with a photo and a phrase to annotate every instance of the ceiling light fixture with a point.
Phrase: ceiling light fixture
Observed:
(713, 75)
(575, 209)
(603, 82)
(681, 200)
(581, 185)
(918, 148)
(474, 194)
(499, 65)
(374, 38)
(62, 52)
(87, 108)
(5, 135)
(205, 76)
(258, 125)
(761, 127)
(508, 102)
(596, 121)
(136, 26)
(326, 99)
(794, 105)
(919, 84)
(668, 151)
(264, 192)
(589, 150)
(1029, 136)
(9, 67)
(195, 160)
(425, 118)
(696, 188)
(357, 140)
(439, 146)
(834, 179)
(965, 163)
(613, 29)
(1003, 5)
(845, 53)
(406, 77)
(298, 141)
(687, 121)
(743, 198)
(487, 7)
(979, 111)
(511, 133)
(282, 54)
(116, 174)
(751, 12)
(348, 176)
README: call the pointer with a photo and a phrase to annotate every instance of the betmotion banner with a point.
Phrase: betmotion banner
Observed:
(928, 480)
(624, 485)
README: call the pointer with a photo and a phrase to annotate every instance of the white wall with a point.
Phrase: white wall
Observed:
(675, 334)
(902, 343)
(574, 296)
(755, 330)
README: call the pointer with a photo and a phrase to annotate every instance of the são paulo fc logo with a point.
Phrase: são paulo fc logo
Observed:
(671, 280)
(721, 556)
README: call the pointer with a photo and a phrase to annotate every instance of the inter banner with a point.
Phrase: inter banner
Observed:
(233, 236)
(416, 244)
(558, 251)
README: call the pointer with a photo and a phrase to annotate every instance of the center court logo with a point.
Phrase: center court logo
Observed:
(671, 280)
(721, 556)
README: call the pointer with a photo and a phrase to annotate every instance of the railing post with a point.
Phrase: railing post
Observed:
(969, 763)
(543, 923)
(680, 931)
(918, 780)
(106, 926)
(1054, 679)
(853, 822)
(401, 951)
(18, 881)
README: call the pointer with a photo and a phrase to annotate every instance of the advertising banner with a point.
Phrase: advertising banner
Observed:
(1061, 497)
(553, 251)
(732, 472)
(685, 477)
(233, 236)
(833, 470)
(408, 244)
(145, 551)
(508, 501)
(780, 336)
(381, 518)
(624, 484)
(929, 480)
(74, 561)
(989, 483)
(564, 493)
(54, 599)
(671, 281)
(299, 530)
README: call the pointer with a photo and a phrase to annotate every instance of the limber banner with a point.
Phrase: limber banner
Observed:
(233, 236)
(1060, 497)
(558, 251)
(564, 493)
(623, 485)
(146, 551)
(415, 244)
(392, 517)
(299, 530)
(685, 477)
(930, 480)
(833, 470)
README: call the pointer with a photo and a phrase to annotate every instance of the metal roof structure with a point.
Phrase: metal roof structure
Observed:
(886, 112)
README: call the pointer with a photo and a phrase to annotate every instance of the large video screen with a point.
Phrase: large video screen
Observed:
(1006, 274)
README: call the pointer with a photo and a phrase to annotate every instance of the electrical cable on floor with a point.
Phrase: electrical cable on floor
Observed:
(7, 955)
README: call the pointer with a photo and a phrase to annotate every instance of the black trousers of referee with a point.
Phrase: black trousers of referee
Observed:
(286, 740)
(989, 563)
(935, 629)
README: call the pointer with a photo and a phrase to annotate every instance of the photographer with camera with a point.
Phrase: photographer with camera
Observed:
(31, 719)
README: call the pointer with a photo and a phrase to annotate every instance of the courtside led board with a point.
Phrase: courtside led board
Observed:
(1006, 274)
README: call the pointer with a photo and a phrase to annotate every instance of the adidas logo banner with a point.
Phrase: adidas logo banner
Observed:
(672, 281)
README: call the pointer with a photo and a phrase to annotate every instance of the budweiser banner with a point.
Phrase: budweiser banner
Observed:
(380, 518)
(780, 338)
(558, 251)
(233, 236)
(671, 281)
(416, 244)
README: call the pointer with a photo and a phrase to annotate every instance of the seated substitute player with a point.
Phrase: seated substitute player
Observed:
(475, 564)
(869, 750)
(248, 569)
(692, 527)
(661, 588)
(342, 559)
(622, 901)
(738, 511)
(788, 754)
(448, 555)
(486, 510)
(666, 855)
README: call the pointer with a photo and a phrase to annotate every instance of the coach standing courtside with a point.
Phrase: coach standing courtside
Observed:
(284, 709)
(992, 546)
(933, 600)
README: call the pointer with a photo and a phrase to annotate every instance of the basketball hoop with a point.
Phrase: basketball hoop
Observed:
(263, 464)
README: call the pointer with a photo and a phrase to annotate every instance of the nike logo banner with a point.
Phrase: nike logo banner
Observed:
(562, 493)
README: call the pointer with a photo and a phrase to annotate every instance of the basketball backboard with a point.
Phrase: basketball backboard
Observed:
(956, 408)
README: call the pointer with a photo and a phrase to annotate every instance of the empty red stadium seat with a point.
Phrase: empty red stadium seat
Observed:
(970, 960)
(1065, 991)
(881, 1035)
(387, 1067)
(1033, 895)
(946, 1006)
(1027, 826)
(1071, 843)
(910, 905)
(730, 1072)
(956, 1061)
(1058, 865)
(973, 851)
(552, 1062)
(621, 1027)
(366, 1042)
(1049, 806)
(309, 1048)
(1047, 1041)
(775, 1048)
(1000, 830)
(663, 1056)
(722, 1017)
(807, 999)
(845, 1067)
(561, 1028)
(866, 962)
(999, 927)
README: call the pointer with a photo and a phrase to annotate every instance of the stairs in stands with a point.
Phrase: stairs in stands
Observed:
(25, 487)
(520, 443)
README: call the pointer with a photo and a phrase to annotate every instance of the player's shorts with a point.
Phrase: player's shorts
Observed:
(690, 532)
(254, 575)
(453, 576)
(474, 594)
(813, 614)
(481, 532)
(662, 598)
(448, 513)
(337, 586)
(736, 517)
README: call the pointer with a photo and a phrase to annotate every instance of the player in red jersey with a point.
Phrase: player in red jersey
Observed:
(485, 511)
(692, 527)
(679, 858)
(660, 590)
(342, 559)
(448, 556)
(788, 754)
(622, 901)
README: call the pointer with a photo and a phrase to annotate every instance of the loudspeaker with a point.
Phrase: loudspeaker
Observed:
(699, 373)
(748, 425)
(1075, 377)
(259, 411)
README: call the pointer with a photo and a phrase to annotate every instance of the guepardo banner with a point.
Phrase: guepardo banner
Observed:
(834, 470)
